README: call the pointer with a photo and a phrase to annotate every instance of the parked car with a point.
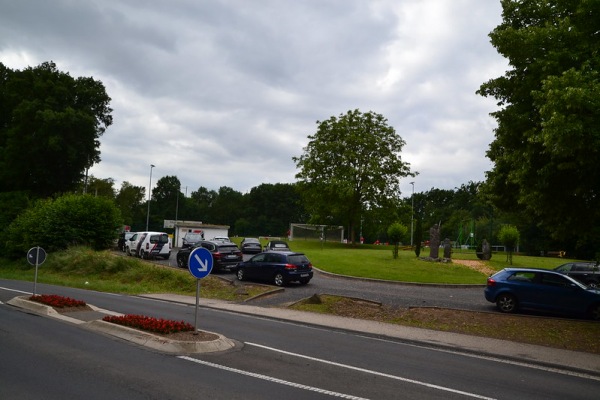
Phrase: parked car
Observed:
(191, 238)
(132, 244)
(513, 289)
(155, 245)
(226, 255)
(584, 272)
(277, 245)
(221, 239)
(250, 245)
(123, 238)
(277, 267)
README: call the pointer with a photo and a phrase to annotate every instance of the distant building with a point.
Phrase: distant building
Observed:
(181, 228)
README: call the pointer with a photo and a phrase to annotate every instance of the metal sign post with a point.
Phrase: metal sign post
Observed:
(200, 263)
(36, 256)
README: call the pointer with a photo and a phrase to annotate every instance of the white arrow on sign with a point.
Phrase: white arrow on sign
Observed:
(203, 265)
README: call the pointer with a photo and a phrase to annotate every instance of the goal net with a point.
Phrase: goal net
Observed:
(316, 232)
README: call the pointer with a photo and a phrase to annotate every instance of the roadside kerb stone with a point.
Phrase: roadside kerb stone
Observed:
(147, 339)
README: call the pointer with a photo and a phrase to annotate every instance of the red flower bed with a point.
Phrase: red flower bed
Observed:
(56, 301)
(150, 324)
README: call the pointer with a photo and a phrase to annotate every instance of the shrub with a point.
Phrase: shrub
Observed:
(509, 237)
(68, 220)
(396, 232)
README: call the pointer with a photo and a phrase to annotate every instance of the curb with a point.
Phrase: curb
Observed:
(161, 343)
(146, 339)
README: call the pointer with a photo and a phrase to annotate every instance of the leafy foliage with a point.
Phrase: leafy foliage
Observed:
(548, 137)
(509, 236)
(68, 220)
(396, 233)
(50, 124)
(350, 165)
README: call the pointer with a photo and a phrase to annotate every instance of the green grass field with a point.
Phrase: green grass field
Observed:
(105, 271)
(373, 261)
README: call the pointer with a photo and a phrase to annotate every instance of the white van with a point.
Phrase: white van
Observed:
(150, 245)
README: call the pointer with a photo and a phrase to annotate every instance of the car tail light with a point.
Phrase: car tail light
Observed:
(147, 246)
(290, 266)
(217, 255)
(491, 282)
(309, 265)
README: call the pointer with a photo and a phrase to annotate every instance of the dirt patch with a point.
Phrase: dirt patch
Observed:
(66, 310)
(476, 266)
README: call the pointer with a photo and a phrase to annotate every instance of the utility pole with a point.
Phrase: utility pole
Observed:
(412, 213)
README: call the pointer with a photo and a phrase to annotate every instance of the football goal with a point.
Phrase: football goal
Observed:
(316, 232)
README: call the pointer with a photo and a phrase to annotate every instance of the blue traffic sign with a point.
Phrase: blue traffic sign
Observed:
(36, 256)
(200, 262)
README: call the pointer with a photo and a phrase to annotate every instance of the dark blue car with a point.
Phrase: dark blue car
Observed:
(277, 267)
(543, 290)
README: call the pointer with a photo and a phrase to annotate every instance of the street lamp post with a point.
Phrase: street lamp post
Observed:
(412, 213)
(149, 197)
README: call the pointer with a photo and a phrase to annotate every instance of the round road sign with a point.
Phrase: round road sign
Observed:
(36, 256)
(200, 262)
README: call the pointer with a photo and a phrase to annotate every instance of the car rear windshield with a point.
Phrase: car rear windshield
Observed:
(298, 259)
(193, 237)
(159, 238)
(228, 248)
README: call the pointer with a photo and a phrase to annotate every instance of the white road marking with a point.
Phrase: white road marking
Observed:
(14, 290)
(399, 378)
(272, 379)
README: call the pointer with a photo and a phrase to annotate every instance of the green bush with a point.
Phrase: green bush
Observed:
(70, 220)
(509, 236)
(396, 232)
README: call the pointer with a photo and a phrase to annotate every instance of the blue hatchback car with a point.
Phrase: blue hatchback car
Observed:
(278, 267)
(543, 290)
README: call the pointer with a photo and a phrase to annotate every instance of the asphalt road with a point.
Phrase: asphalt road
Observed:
(45, 358)
(390, 293)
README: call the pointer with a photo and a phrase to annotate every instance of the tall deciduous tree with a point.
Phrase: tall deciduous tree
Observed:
(350, 165)
(129, 201)
(50, 125)
(165, 201)
(547, 143)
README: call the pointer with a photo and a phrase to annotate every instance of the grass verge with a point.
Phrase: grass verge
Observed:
(104, 271)
(569, 334)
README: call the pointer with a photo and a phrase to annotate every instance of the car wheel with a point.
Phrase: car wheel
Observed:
(181, 262)
(506, 303)
(143, 255)
(278, 279)
(595, 312)
(240, 274)
(304, 281)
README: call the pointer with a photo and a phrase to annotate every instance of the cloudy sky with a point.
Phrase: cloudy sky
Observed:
(225, 92)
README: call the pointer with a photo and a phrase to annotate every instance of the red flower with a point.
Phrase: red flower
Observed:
(150, 324)
(57, 301)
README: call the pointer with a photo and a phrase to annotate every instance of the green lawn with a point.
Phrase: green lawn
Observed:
(372, 261)
(106, 272)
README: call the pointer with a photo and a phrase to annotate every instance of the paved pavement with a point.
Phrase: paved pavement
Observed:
(585, 363)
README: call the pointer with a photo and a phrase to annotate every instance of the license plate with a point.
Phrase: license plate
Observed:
(231, 256)
(303, 275)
